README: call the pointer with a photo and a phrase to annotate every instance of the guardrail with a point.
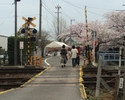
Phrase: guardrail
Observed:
(109, 56)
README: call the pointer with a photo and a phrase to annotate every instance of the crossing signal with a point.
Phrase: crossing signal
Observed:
(18, 0)
(34, 31)
(32, 39)
(22, 31)
(26, 27)
(29, 21)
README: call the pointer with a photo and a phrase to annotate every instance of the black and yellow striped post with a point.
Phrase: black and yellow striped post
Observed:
(28, 42)
(27, 24)
(87, 39)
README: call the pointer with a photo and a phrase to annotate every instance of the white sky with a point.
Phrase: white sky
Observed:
(70, 9)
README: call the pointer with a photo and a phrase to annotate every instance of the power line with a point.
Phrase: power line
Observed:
(51, 14)
(83, 8)
(53, 3)
(93, 13)
(5, 19)
(100, 8)
(65, 14)
(3, 4)
(73, 4)
(48, 10)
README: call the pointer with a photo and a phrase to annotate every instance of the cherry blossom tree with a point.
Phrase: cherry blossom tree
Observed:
(79, 30)
(74, 31)
(116, 24)
(112, 30)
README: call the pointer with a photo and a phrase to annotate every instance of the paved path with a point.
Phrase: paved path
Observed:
(55, 83)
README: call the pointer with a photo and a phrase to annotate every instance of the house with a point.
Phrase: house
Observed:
(3, 42)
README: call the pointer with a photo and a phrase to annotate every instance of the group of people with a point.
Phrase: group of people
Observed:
(73, 53)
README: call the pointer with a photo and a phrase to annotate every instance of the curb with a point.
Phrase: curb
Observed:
(82, 87)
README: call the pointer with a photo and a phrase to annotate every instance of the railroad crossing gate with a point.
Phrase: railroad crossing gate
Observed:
(28, 21)
(36, 61)
(26, 25)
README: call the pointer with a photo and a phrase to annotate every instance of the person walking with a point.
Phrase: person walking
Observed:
(63, 54)
(78, 56)
(69, 53)
(74, 52)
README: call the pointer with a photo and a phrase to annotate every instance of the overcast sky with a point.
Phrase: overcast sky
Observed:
(70, 9)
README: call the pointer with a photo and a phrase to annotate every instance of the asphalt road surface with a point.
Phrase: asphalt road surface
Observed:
(55, 83)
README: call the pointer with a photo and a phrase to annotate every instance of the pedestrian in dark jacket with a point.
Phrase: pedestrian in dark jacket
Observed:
(63, 54)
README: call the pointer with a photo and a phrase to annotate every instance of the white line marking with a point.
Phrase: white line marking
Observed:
(46, 61)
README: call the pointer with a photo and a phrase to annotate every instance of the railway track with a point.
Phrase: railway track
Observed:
(20, 70)
(93, 70)
(93, 83)
(90, 74)
(15, 77)
(12, 82)
(91, 80)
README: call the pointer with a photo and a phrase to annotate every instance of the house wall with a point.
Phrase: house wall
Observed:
(3, 42)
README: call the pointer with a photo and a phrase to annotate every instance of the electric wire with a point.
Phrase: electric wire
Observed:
(100, 8)
(83, 8)
(55, 17)
(54, 3)
(94, 13)
(5, 4)
(48, 10)
(6, 18)
(72, 4)
(52, 14)
(66, 14)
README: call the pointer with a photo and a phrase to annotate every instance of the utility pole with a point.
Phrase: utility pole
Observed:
(97, 93)
(71, 30)
(58, 7)
(40, 25)
(124, 75)
(87, 39)
(124, 70)
(119, 71)
(15, 39)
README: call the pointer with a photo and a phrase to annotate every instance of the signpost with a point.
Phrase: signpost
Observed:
(21, 47)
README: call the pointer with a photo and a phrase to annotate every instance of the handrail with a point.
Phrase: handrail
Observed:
(109, 56)
(113, 51)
